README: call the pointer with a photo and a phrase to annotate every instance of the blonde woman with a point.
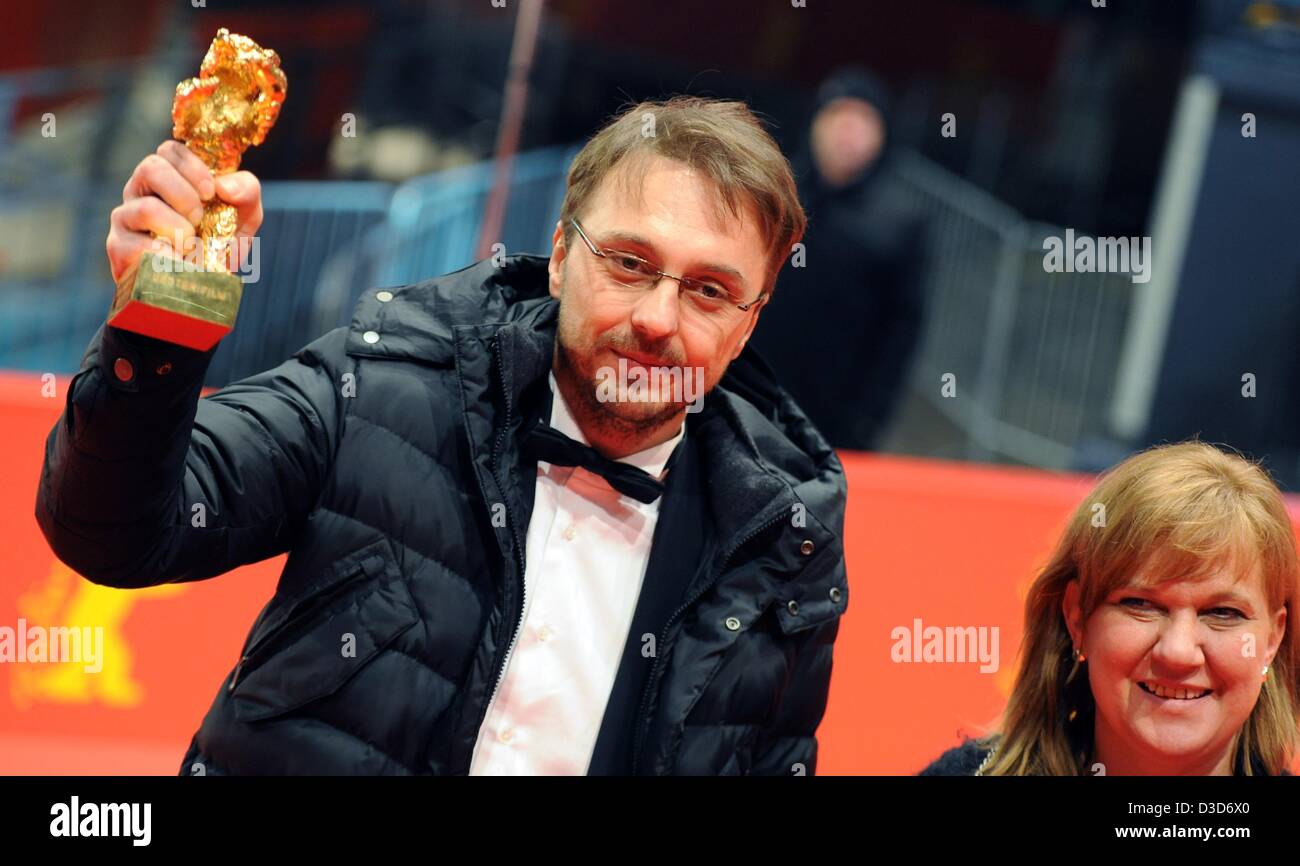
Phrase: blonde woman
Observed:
(1158, 640)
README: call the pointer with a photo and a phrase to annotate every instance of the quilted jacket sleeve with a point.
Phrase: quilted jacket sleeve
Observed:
(144, 483)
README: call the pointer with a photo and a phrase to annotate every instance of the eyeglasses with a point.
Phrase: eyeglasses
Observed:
(707, 299)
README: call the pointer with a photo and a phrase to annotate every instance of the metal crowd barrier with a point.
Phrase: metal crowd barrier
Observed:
(1034, 354)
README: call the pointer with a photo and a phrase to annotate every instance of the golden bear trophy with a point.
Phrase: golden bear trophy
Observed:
(192, 300)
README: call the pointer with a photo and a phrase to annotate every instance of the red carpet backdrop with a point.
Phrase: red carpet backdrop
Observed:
(930, 544)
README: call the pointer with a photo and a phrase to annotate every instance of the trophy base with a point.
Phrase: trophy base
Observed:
(172, 300)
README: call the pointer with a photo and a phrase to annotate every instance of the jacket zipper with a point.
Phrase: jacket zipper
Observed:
(643, 723)
(519, 550)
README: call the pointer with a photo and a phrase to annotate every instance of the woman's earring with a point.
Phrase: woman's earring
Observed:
(1079, 656)
(1264, 673)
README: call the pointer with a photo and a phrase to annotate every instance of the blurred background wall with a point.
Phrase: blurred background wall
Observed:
(1065, 116)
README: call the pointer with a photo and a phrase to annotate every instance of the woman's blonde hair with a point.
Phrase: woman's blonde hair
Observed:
(1185, 509)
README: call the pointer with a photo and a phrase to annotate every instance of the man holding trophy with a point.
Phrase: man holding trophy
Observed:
(492, 569)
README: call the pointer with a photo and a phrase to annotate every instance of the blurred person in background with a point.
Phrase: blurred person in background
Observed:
(1158, 639)
(842, 331)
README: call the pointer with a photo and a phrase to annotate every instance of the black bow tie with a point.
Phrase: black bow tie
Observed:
(546, 443)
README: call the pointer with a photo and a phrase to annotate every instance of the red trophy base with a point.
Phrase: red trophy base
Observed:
(171, 300)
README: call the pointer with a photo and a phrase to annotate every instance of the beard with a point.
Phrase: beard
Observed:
(575, 366)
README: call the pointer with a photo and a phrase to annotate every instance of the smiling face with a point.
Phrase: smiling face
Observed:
(1175, 668)
(674, 225)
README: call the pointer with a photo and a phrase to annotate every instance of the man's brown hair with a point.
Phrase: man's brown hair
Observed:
(722, 140)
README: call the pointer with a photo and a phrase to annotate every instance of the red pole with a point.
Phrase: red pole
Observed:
(527, 28)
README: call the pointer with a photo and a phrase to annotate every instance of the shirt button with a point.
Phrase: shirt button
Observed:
(123, 369)
(507, 735)
(570, 532)
(384, 296)
(371, 336)
(544, 633)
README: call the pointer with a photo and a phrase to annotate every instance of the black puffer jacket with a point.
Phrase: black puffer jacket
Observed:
(375, 456)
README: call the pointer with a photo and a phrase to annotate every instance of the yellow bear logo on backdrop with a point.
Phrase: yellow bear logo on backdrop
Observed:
(65, 599)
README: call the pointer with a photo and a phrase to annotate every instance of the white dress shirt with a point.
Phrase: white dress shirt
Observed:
(586, 556)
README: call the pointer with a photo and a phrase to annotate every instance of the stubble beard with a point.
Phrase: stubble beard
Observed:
(605, 417)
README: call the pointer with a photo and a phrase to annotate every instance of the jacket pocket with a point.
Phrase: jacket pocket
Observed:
(296, 654)
(801, 606)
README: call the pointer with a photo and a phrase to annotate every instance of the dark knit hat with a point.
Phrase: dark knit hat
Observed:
(858, 83)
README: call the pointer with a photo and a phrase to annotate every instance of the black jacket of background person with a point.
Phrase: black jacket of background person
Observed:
(375, 457)
(842, 329)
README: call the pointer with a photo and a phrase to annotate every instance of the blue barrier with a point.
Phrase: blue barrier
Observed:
(321, 245)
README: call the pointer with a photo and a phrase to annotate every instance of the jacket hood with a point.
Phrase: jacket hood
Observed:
(424, 321)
